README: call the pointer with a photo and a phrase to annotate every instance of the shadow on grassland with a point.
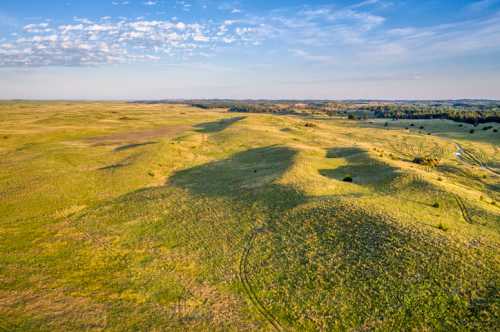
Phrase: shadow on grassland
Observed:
(248, 175)
(324, 266)
(132, 146)
(363, 169)
(217, 126)
(310, 268)
(343, 152)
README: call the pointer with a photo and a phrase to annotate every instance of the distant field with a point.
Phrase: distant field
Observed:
(140, 217)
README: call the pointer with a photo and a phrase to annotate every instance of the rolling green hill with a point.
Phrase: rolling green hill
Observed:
(156, 217)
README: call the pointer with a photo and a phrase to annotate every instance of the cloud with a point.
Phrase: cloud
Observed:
(85, 42)
(481, 5)
(324, 59)
(372, 3)
(322, 34)
(442, 41)
(353, 35)
(232, 7)
(365, 3)
(346, 17)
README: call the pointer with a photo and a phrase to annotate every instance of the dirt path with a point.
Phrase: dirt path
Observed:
(471, 159)
(463, 210)
(243, 275)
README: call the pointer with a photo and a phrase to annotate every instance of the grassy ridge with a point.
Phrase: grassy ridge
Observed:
(167, 217)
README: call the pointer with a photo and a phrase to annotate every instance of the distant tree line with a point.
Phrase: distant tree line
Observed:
(263, 108)
(465, 111)
(469, 115)
(212, 105)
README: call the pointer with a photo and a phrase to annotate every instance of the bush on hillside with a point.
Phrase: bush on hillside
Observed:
(348, 179)
(427, 161)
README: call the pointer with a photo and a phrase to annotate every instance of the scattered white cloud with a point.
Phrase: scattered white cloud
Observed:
(233, 7)
(85, 42)
(324, 59)
(322, 34)
(353, 35)
(440, 41)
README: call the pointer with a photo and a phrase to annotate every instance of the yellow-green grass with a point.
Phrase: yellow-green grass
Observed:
(122, 216)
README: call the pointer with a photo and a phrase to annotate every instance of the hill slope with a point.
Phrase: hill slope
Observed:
(167, 217)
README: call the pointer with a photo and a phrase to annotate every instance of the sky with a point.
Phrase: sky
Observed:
(255, 49)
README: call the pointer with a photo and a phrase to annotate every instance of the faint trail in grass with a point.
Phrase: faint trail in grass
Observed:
(463, 210)
(243, 275)
(470, 158)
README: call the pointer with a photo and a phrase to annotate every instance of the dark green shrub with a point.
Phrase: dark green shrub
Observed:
(427, 161)
(442, 227)
(348, 179)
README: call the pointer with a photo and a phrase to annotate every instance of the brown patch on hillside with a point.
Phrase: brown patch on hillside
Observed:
(55, 309)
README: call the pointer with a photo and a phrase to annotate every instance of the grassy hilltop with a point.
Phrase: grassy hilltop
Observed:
(156, 217)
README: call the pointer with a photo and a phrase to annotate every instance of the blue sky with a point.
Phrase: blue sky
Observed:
(148, 49)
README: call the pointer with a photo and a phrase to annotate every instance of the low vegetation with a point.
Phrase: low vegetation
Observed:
(180, 217)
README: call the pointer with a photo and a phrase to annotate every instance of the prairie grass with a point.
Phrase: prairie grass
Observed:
(125, 217)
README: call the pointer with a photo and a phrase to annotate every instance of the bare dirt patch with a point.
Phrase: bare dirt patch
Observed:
(62, 311)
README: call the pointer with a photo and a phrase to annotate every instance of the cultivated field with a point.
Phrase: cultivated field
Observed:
(137, 217)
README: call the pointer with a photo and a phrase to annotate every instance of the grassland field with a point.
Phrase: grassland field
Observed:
(133, 217)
